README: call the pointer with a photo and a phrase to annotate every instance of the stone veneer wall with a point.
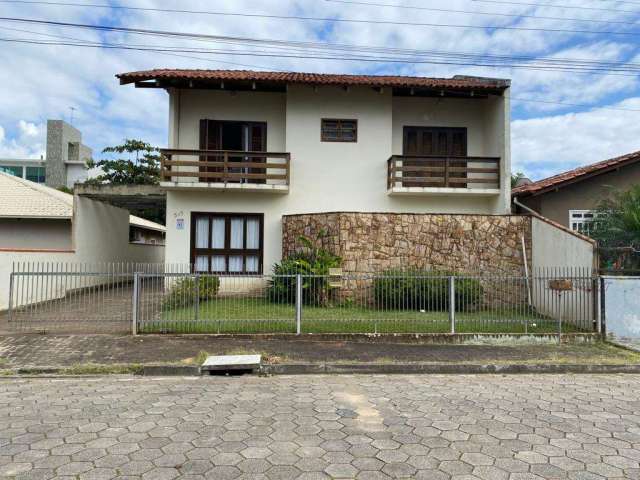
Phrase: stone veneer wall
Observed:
(374, 242)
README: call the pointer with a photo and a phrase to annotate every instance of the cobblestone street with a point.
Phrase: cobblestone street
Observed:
(312, 427)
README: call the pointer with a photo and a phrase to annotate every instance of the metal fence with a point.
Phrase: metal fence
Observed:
(73, 297)
(172, 299)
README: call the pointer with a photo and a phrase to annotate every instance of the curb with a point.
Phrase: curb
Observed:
(347, 368)
(170, 371)
(451, 369)
(400, 338)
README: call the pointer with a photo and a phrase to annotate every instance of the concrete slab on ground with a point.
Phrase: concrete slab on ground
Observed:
(231, 362)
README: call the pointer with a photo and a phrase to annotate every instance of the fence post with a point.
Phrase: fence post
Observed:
(10, 312)
(602, 324)
(134, 301)
(452, 303)
(197, 299)
(298, 304)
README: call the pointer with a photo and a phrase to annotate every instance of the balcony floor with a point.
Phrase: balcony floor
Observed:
(226, 187)
(442, 191)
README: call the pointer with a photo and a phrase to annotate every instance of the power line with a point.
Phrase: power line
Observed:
(516, 99)
(260, 67)
(375, 22)
(466, 59)
(410, 7)
(361, 58)
(470, 12)
(552, 5)
(620, 109)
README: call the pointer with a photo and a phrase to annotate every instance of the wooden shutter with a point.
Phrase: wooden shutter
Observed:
(210, 139)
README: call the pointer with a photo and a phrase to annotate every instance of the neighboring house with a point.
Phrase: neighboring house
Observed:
(394, 171)
(42, 224)
(66, 158)
(571, 197)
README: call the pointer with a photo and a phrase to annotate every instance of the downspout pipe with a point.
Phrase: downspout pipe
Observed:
(523, 206)
(524, 252)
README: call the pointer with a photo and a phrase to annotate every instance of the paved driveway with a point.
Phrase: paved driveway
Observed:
(424, 427)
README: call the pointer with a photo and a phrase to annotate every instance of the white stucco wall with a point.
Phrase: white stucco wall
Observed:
(35, 233)
(556, 252)
(100, 236)
(325, 176)
(555, 247)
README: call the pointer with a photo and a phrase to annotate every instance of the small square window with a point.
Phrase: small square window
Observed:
(339, 130)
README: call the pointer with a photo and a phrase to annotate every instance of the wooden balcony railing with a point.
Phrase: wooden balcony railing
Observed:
(225, 167)
(425, 171)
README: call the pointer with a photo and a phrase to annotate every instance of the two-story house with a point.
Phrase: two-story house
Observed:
(249, 152)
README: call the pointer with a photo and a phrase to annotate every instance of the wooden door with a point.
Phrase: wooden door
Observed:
(438, 142)
(239, 136)
(210, 139)
(257, 142)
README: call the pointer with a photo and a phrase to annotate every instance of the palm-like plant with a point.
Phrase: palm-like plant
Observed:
(617, 228)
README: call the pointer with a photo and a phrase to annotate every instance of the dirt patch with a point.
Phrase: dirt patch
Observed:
(68, 350)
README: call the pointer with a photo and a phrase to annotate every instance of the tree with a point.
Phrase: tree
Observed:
(515, 178)
(141, 167)
(617, 229)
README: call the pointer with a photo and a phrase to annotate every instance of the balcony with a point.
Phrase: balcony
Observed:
(433, 175)
(225, 170)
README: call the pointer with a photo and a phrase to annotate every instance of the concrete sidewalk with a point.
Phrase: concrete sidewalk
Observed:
(68, 350)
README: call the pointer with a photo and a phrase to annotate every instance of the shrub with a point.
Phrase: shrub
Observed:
(183, 292)
(415, 289)
(311, 262)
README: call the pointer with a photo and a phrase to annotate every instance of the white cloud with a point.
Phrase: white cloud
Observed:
(28, 142)
(41, 82)
(547, 145)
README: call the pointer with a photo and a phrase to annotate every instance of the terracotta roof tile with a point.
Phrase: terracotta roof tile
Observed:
(456, 82)
(575, 174)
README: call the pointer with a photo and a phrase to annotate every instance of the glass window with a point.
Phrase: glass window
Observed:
(582, 221)
(337, 130)
(11, 170)
(36, 174)
(236, 243)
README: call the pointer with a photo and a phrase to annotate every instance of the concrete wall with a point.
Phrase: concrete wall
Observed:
(25, 233)
(584, 195)
(560, 253)
(100, 235)
(326, 176)
(64, 144)
(555, 247)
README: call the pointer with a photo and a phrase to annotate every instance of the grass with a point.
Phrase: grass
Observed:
(257, 315)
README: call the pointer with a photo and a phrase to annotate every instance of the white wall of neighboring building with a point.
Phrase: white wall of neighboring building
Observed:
(328, 176)
(564, 254)
(76, 173)
(100, 235)
(33, 233)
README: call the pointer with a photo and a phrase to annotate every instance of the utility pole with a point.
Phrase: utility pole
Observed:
(71, 115)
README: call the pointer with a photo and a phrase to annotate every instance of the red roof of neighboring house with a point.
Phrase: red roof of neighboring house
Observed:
(457, 82)
(575, 175)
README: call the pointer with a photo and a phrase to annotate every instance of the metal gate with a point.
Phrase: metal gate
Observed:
(72, 297)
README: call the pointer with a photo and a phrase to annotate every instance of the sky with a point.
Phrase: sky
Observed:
(560, 119)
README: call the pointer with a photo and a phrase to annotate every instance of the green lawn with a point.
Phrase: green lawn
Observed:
(257, 315)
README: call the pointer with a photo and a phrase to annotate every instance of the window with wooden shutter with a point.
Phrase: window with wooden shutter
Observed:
(339, 130)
